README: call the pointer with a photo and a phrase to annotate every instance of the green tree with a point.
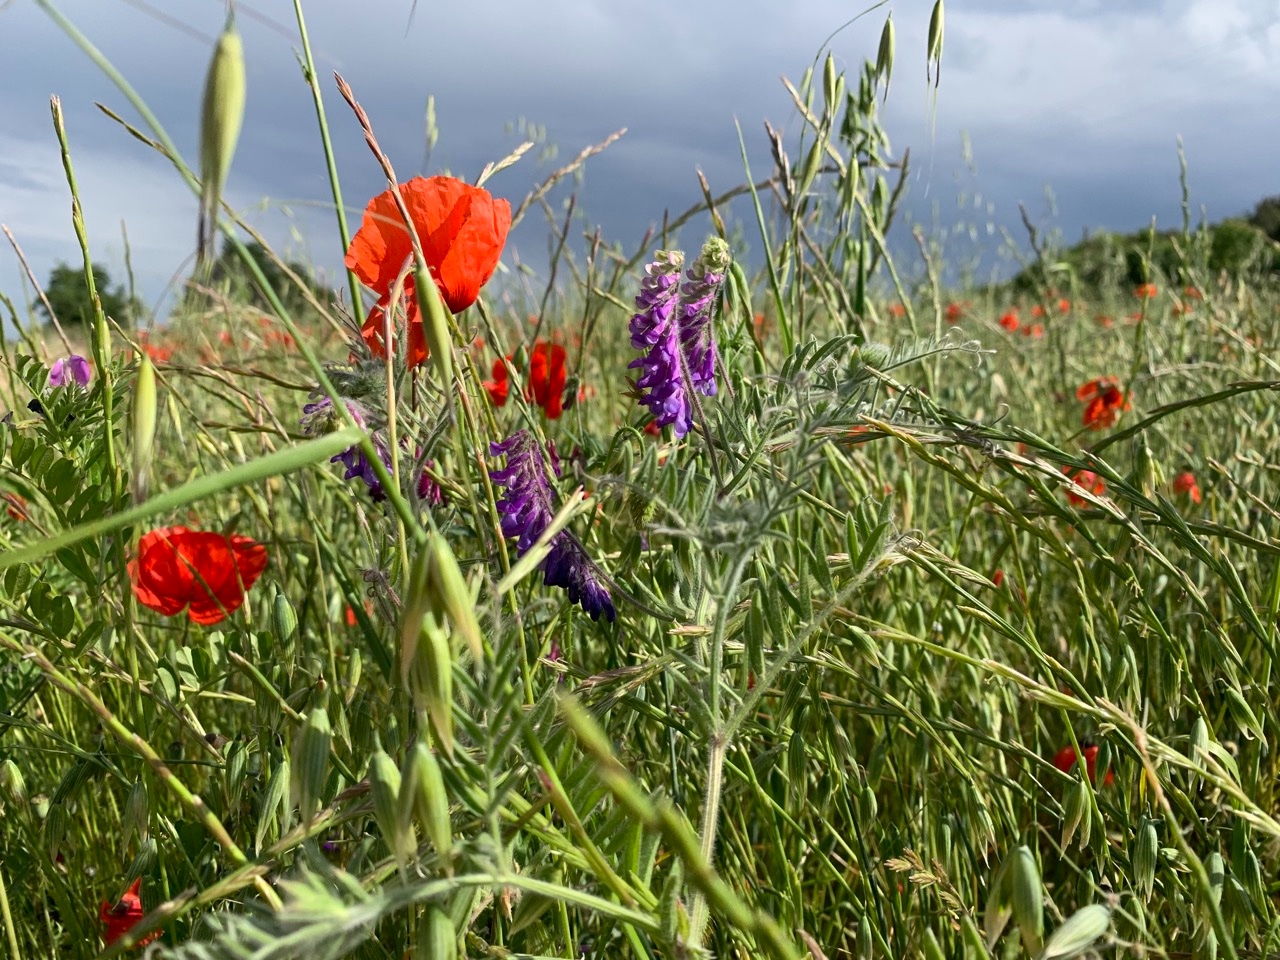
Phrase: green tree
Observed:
(229, 276)
(1266, 217)
(68, 296)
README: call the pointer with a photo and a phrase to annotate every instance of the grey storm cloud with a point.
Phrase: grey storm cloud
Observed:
(1087, 97)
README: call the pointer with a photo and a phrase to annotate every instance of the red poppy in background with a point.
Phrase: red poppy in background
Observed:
(1037, 310)
(15, 506)
(1105, 401)
(1104, 321)
(121, 918)
(547, 377)
(1085, 480)
(1065, 760)
(1010, 320)
(897, 310)
(462, 229)
(1184, 484)
(1145, 291)
(1035, 331)
(1064, 306)
(500, 386)
(205, 573)
(954, 311)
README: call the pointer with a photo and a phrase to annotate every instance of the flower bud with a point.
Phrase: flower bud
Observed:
(143, 416)
(220, 120)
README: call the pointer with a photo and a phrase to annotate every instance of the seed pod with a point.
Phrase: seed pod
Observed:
(220, 120)
(669, 907)
(310, 761)
(437, 938)
(1145, 850)
(930, 948)
(276, 797)
(1026, 896)
(429, 801)
(13, 783)
(55, 828)
(934, 55)
(283, 618)
(142, 863)
(1078, 813)
(384, 779)
(136, 817)
(1078, 933)
(1217, 872)
(830, 96)
(144, 426)
(884, 57)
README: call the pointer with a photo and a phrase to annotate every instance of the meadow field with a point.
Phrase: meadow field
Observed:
(743, 590)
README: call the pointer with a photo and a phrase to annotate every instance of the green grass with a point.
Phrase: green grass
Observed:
(858, 617)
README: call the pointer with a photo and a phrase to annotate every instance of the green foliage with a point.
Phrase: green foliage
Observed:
(68, 296)
(1266, 217)
(231, 279)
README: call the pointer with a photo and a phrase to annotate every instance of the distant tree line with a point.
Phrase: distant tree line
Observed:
(67, 294)
(1236, 247)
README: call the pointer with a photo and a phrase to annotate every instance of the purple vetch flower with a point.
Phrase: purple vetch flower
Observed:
(68, 370)
(428, 490)
(674, 324)
(527, 508)
(320, 417)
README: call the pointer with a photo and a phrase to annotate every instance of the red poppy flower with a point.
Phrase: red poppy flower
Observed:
(547, 377)
(15, 506)
(462, 229)
(1104, 321)
(1192, 293)
(1035, 331)
(954, 311)
(652, 428)
(204, 573)
(1085, 480)
(1185, 484)
(1010, 320)
(500, 385)
(1064, 306)
(897, 310)
(122, 917)
(1145, 291)
(1105, 401)
(1037, 310)
(1065, 760)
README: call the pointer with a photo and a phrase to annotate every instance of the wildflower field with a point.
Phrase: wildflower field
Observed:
(739, 591)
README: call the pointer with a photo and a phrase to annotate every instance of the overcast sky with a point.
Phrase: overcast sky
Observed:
(1085, 98)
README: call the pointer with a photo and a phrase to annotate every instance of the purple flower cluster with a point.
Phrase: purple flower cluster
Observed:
(527, 511)
(673, 323)
(319, 417)
(68, 370)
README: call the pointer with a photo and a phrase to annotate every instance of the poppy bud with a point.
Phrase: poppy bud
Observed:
(310, 761)
(144, 425)
(220, 120)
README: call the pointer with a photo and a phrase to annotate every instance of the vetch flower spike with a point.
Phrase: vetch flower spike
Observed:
(676, 329)
(527, 510)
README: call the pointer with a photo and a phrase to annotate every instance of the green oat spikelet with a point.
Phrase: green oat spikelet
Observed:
(220, 119)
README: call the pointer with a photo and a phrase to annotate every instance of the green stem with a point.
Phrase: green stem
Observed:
(353, 282)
